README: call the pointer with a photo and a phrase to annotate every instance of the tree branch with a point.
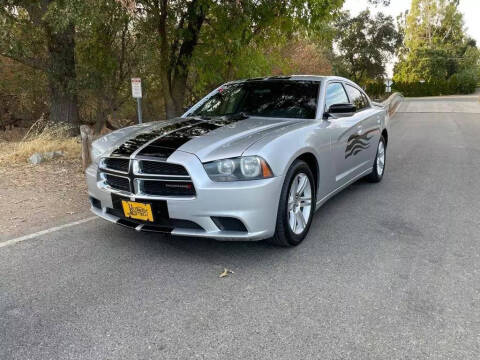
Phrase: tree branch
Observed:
(36, 64)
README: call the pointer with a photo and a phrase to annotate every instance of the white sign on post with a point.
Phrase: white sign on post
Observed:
(137, 94)
(388, 85)
(137, 88)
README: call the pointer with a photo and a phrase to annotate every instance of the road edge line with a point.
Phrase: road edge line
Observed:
(44, 232)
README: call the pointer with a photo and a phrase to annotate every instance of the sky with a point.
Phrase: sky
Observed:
(469, 8)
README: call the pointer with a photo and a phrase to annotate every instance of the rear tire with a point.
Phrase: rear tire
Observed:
(379, 164)
(296, 206)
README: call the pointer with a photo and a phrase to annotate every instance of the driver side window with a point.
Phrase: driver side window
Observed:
(335, 95)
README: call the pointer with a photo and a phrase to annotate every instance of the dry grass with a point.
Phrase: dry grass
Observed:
(39, 140)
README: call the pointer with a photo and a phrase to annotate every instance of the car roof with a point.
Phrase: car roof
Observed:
(294, 78)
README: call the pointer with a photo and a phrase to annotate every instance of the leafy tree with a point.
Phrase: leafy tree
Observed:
(108, 53)
(41, 34)
(22, 94)
(364, 44)
(207, 32)
(304, 56)
(436, 47)
(380, 2)
(83, 52)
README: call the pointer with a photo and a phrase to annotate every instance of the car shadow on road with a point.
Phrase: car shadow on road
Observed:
(246, 253)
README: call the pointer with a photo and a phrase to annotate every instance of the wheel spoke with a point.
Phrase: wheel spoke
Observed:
(302, 184)
(292, 220)
(291, 202)
(305, 201)
(300, 220)
(295, 222)
(290, 206)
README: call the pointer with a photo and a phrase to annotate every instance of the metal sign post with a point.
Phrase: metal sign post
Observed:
(137, 94)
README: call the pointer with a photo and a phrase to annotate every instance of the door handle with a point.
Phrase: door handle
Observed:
(359, 130)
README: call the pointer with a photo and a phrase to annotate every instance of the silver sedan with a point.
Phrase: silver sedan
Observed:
(252, 160)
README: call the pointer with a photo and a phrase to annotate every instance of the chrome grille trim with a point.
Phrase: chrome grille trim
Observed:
(103, 183)
(138, 171)
(136, 179)
(103, 164)
(139, 189)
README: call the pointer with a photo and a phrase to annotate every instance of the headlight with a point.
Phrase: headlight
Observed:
(238, 169)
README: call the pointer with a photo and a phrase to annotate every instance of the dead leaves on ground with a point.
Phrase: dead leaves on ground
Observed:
(226, 272)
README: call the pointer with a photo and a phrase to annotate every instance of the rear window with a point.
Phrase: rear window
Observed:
(267, 98)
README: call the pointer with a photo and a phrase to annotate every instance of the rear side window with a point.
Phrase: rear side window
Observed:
(335, 95)
(357, 98)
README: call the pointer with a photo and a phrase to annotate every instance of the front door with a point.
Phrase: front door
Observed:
(363, 146)
(346, 136)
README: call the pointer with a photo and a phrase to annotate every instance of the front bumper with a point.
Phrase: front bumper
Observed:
(254, 203)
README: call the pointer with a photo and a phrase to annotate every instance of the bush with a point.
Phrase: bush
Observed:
(467, 82)
(375, 89)
(461, 83)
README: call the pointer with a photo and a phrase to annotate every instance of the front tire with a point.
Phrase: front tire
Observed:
(296, 206)
(379, 163)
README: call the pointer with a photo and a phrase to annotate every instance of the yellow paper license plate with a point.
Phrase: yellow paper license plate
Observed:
(138, 211)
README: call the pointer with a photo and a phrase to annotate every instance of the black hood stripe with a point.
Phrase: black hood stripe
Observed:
(135, 143)
(165, 145)
(177, 138)
(170, 137)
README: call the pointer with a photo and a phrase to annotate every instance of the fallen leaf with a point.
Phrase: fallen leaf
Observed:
(226, 272)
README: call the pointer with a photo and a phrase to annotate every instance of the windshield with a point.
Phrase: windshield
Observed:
(267, 98)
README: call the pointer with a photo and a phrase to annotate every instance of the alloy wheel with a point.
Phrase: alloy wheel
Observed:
(380, 158)
(299, 203)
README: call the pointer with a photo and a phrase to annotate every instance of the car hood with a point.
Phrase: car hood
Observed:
(207, 139)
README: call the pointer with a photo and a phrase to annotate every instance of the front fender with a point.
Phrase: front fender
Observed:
(281, 149)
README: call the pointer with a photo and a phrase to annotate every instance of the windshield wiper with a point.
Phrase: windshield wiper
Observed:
(238, 116)
(233, 116)
(201, 117)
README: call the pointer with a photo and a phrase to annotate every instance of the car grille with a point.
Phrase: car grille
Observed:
(166, 188)
(117, 182)
(115, 164)
(151, 177)
(162, 168)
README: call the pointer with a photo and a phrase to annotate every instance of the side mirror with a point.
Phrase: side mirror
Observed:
(342, 109)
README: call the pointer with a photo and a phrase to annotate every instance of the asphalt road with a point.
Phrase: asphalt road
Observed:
(389, 271)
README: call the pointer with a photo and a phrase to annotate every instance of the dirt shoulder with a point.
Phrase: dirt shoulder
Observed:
(36, 197)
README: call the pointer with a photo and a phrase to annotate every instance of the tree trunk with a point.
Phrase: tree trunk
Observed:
(175, 70)
(170, 108)
(62, 77)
